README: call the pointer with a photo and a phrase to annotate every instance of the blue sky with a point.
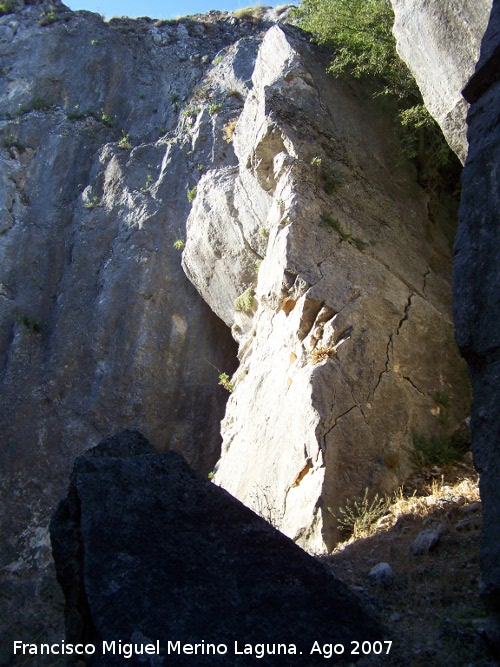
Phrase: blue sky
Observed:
(159, 9)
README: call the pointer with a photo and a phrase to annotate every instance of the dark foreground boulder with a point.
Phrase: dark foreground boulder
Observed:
(147, 552)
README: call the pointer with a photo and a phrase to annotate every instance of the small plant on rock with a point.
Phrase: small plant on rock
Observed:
(124, 142)
(6, 7)
(225, 381)
(357, 515)
(245, 302)
(228, 131)
(214, 108)
(191, 194)
(319, 354)
(33, 325)
(93, 202)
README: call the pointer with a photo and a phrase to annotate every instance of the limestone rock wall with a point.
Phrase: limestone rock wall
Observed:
(99, 327)
(440, 42)
(345, 332)
(111, 135)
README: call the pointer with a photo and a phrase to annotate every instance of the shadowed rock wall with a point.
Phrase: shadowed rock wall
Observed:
(477, 293)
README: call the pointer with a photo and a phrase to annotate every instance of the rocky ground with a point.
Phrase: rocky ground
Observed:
(430, 604)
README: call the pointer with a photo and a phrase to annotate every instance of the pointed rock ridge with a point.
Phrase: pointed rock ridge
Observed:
(476, 292)
(146, 551)
(332, 269)
(440, 42)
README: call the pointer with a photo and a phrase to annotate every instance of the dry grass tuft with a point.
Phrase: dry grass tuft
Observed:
(431, 610)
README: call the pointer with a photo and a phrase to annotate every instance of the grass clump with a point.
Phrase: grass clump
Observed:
(225, 381)
(191, 194)
(252, 12)
(124, 142)
(359, 514)
(228, 131)
(32, 324)
(48, 17)
(6, 7)
(214, 108)
(245, 302)
(93, 202)
(319, 354)
(436, 450)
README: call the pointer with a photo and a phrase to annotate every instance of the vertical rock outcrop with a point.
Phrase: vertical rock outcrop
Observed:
(440, 43)
(306, 236)
(477, 293)
(332, 268)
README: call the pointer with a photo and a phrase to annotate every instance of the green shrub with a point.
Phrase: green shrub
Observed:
(359, 33)
(6, 7)
(48, 17)
(225, 381)
(245, 302)
(436, 450)
(33, 325)
(328, 220)
(214, 108)
(191, 194)
(93, 202)
(124, 142)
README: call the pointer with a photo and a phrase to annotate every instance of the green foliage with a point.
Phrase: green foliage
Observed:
(107, 119)
(331, 181)
(48, 17)
(436, 450)
(11, 141)
(124, 142)
(225, 381)
(191, 194)
(6, 7)
(218, 58)
(335, 224)
(191, 112)
(93, 202)
(35, 104)
(244, 303)
(214, 108)
(264, 232)
(328, 220)
(149, 182)
(33, 325)
(357, 515)
(359, 32)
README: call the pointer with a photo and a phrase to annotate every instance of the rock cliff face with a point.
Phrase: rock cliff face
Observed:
(329, 265)
(477, 294)
(345, 334)
(440, 43)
